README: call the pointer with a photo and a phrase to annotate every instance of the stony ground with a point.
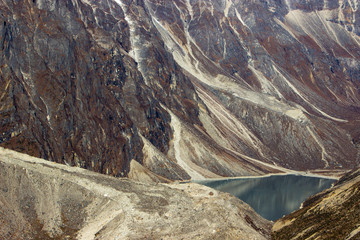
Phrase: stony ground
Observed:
(44, 200)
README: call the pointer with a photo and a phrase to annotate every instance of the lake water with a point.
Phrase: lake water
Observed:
(272, 196)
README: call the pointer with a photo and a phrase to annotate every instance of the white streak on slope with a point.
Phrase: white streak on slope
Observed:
(287, 2)
(240, 19)
(227, 7)
(48, 117)
(187, 61)
(286, 28)
(323, 151)
(328, 26)
(230, 121)
(176, 126)
(297, 18)
(136, 44)
(303, 98)
(266, 84)
(190, 9)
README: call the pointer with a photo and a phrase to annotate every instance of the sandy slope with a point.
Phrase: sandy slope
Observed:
(42, 200)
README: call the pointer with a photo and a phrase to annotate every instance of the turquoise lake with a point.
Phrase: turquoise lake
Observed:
(272, 196)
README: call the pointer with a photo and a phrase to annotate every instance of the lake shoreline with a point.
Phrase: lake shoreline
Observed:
(296, 173)
(272, 195)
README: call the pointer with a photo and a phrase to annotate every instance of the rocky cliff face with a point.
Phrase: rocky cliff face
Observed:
(44, 200)
(72, 92)
(332, 214)
(188, 89)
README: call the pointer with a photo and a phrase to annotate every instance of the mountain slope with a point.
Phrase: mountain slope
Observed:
(261, 62)
(332, 214)
(44, 200)
(188, 89)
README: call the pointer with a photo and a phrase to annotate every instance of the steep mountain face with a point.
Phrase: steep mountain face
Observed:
(332, 214)
(44, 200)
(288, 72)
(71, 92)
(187, 88)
